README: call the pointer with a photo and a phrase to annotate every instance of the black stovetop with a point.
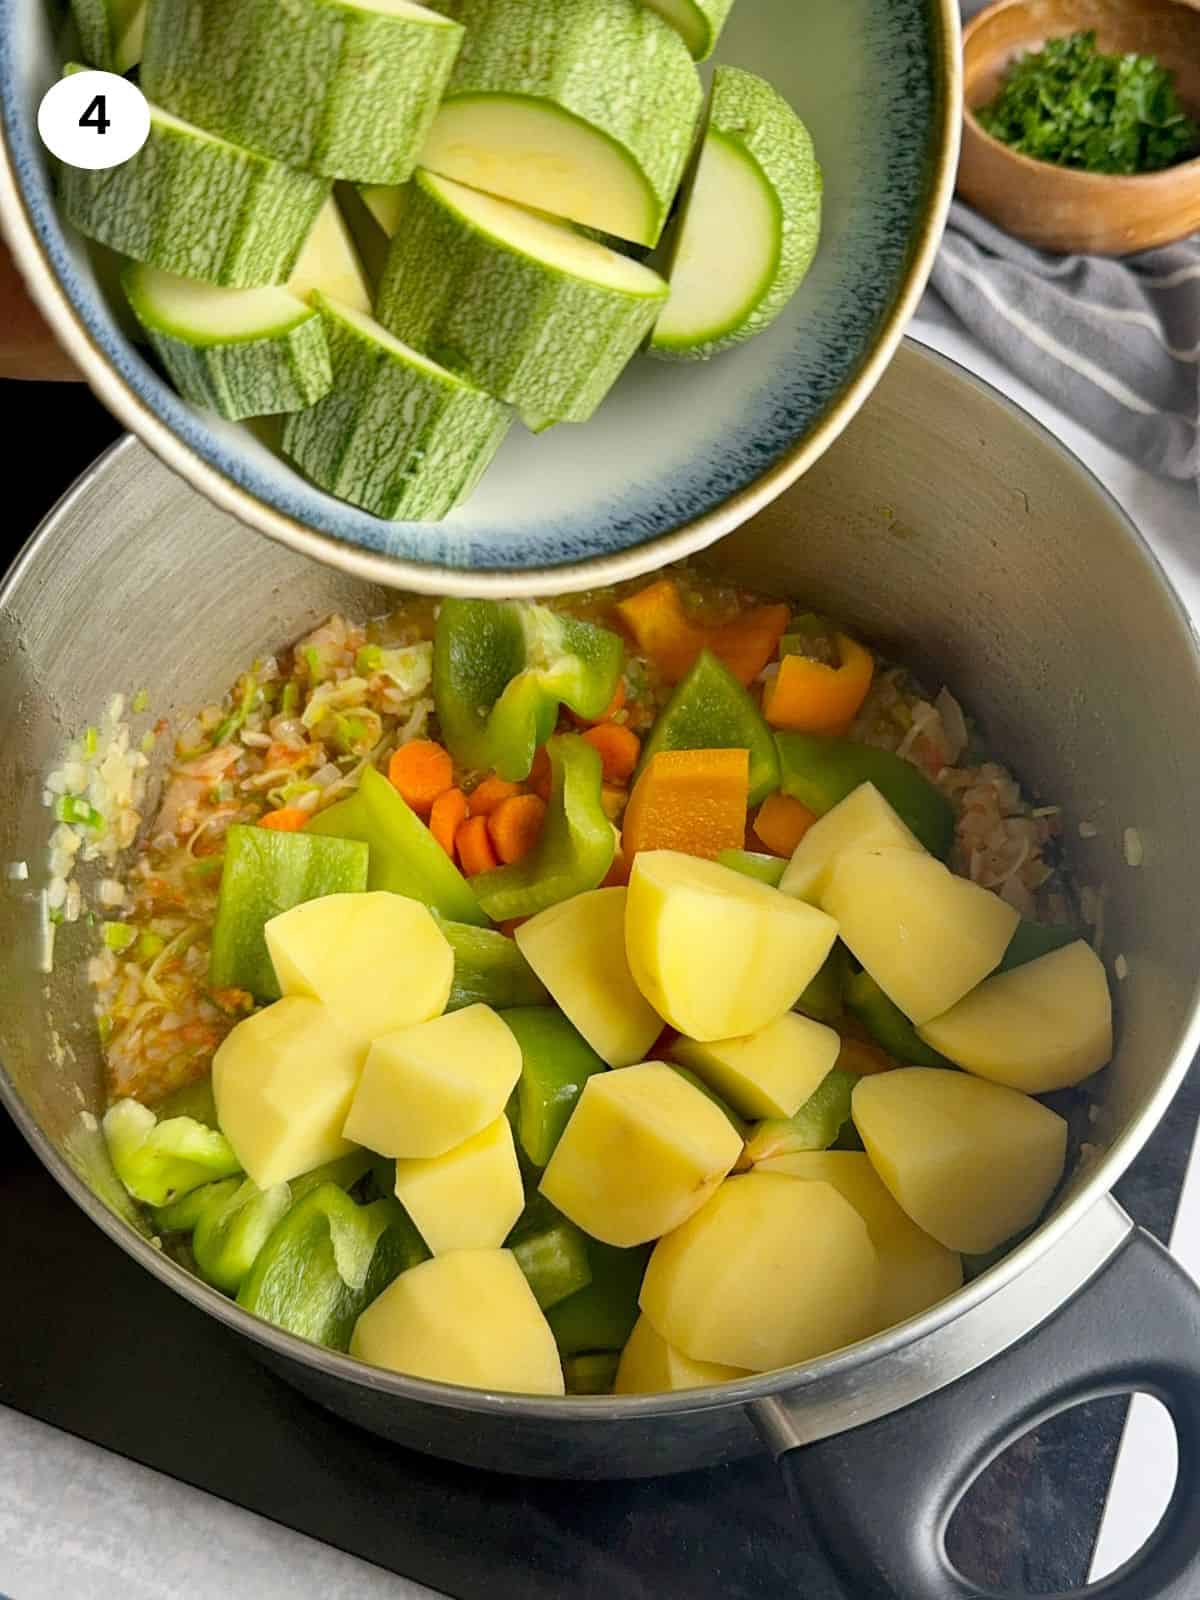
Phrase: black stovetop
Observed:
(97, 1347)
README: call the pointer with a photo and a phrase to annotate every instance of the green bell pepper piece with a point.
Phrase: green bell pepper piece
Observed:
(766, 869)
(405, 857)
(576, 846)
(601, 1317)
(266, 873)
(1034, 939)
(192, 1100)
(233, 1229)
(160, 1161)
(887, 1024)
(710, 710)
(181, 1216)
(501, 669)
(814, 1127)
(819, 771)
(822, 1000)
(556, 1062)
(490, 970)
(551, 1251)
(345, 1172)
(739, 1124)
(592, 1373)
(325, 1261)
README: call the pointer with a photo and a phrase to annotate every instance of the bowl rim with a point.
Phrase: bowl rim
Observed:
(844, 1364)
(120, 398)
(1165, 178)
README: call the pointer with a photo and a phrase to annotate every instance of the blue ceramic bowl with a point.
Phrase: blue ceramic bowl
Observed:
(677, 456)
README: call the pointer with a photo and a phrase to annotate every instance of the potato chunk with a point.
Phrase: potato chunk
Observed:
(378, 961)
(715, 953)
(469, 1198)
(770, 1073)
(862, 821)
(915, 1271)
(924, 935)
(283, 1081)
(468, 1317)
(972, 1163)
(649, 1365)
(1046, 1025)
(769, 1273)
(643, 1150)
(577, 949)
(426, 1089)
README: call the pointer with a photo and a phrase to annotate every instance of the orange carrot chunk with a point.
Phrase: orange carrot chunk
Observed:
(663, 631)
(782, 822)
(493, 791)
(421, 770)
(516, 825)
(288, 819)
(689, 800)
(474, 846)
(447, 814)
(618, 747)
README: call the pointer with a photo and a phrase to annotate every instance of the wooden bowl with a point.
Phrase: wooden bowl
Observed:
(1059, 208)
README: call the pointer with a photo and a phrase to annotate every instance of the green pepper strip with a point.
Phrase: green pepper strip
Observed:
(267, 873)
(601, 1317)
(820, 771)
(556, 1062)
(405, 857)
(887, 1024)
(160, 1161)
(1034, 939)
(231, 1232)
(765, 869)
(489, 970)
(576, 846)
(814, 1127)
(501, 669)
(710, 710)
(592, 1373)
(822, 1000)
(550, 1251)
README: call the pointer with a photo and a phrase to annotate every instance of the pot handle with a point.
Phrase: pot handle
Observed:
(881, 1496)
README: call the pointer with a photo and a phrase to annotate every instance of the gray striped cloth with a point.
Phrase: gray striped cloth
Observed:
(1115, 343)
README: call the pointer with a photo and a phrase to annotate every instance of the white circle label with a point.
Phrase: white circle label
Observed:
(94, 120)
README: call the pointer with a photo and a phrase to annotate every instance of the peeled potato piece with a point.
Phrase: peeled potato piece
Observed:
(770, 1073)
(469, 1198)
(972, 1163)
(649, 1365)
(915, 1271)
(862, 821)
(643, 1150)
(1046, 1025)
(924, 935)
(768, 1273)
(715, 953)
(468, 1317)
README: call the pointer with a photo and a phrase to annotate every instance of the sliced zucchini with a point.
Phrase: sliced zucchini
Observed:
(240, 352)
(345, 88)
(585, 109)
(329, 262)
(698, 22)
(528, 310)
(749, 227)
(110, 32)
(195, 205)
(397, 434)
(372, 212)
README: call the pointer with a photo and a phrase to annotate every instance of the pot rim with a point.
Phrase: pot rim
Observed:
(33, 262)
(841, 1364)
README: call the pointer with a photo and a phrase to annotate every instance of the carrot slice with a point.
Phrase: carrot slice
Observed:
(782, 822)
(421, 770)
(474, 846)
(618, 747)
(288, 819)
(516, 825)
(447, 814)
(689, 800)
(493, 791)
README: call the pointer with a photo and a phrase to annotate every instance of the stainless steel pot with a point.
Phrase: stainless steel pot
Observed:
(951, 528)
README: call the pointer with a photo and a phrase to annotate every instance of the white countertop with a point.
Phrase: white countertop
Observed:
(78, 1520)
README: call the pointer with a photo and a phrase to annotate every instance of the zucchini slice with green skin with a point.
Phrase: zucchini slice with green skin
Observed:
(344, 88)
(240, 352)
(195, 205)
(585, 109)
(329, 262)
(397, 434)
(749, 226)
(698, 22)
(110, 32)
(372, 212)
(524, 308)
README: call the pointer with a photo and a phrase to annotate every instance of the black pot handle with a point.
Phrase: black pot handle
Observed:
(881, 1496)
